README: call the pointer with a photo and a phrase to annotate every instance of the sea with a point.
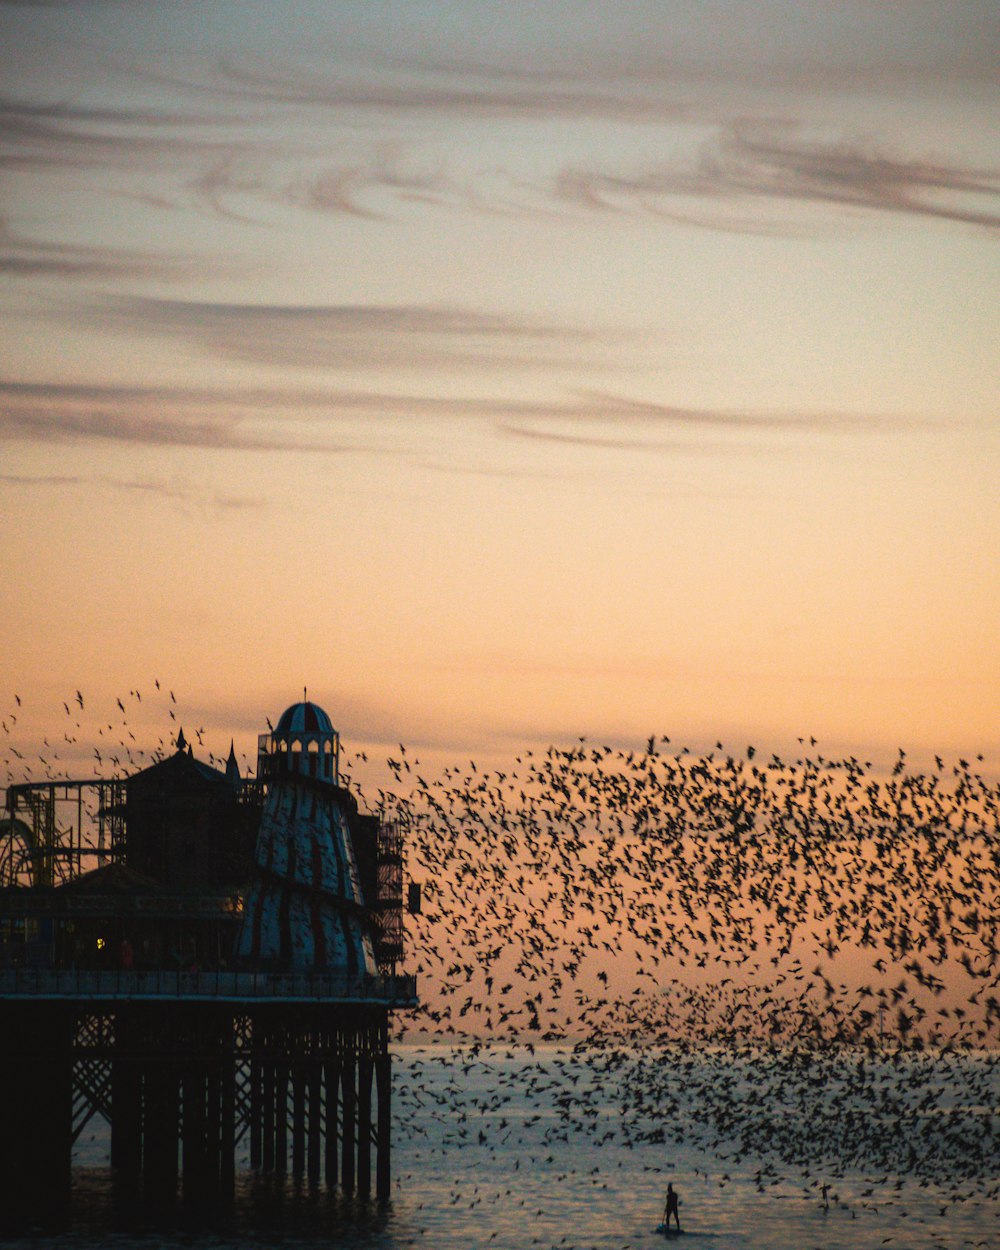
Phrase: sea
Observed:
(518, 1148)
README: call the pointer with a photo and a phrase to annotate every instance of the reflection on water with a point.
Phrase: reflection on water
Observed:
(482, 1158)
(265, 1211)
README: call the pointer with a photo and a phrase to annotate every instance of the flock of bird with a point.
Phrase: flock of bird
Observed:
(118, 752)
(792, 962)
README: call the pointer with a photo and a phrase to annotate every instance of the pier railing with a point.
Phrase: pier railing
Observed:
(284, 987)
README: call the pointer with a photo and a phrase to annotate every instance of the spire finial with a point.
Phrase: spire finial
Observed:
(305, 696)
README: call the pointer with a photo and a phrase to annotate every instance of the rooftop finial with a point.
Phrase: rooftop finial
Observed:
(305, 696)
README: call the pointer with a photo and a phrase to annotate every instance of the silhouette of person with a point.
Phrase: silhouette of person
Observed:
(672, 1207)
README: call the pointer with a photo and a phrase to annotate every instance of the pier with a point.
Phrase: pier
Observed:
(239, 1008)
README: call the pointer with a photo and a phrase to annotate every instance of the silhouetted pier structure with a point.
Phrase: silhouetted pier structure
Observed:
(118, 1000)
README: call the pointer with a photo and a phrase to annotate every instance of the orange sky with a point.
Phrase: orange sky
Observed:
(588, 375)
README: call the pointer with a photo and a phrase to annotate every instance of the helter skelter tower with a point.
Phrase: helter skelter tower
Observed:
(306, 911)
(318, 912)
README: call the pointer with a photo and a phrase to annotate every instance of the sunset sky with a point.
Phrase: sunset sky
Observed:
(505, 372)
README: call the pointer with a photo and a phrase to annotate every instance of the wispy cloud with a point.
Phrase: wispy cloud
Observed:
(415, 88)
(606, 442)
(171, 491)
(157, 417)
(595, 404)
(162, 158)
(666, 62)
(746, 166)
(41, 479)
(319, 420)
(40, 136)
(346, 336)
(638, 425)
(224, 158)
(119, 427)
(32, 258)
(388, 172)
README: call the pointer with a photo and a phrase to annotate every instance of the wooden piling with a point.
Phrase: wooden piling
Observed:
(256, 1094)
(281, 1109)
(383, 1082)
(227, 1120)
(267, 1097)
(314, 1079)
(161, 1109)
(35, 1151)
(364, 1167)
(331, 1120)
(348, 1120)
(126, 1108)
(298, 1118)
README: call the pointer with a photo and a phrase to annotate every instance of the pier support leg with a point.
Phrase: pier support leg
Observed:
(332, 1088)
(126, 1106)
(364, 1126)
(227, 1107)
(314, 1098)
(298, 1117)
(161, 1123)
(383, 1083)
(256, 1106)
(267, 1097)
(213, 1129)
(281, 1110)
(193, 1133)
(348, 1120)
(36, 1142)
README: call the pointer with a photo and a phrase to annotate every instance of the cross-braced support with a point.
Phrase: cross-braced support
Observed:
(181, 1084)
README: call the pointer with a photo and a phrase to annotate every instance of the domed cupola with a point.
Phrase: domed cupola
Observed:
(303, 741)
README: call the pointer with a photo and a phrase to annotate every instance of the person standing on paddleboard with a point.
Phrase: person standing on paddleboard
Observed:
(672, 1208)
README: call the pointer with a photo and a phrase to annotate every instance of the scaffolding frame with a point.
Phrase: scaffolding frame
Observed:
(53, 831)
(392, 831)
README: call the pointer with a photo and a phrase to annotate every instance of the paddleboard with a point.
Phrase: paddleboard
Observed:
(696, 1233)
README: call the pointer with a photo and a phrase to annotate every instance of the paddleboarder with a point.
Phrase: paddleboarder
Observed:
(672, 1208)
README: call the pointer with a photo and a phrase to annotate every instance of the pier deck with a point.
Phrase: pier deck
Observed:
(118, 985)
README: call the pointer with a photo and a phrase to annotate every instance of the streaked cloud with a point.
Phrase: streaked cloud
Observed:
(604, 442)
(318, 420)
(599, 405)
(463, 90)
(804, 44)
(389, 170)
(39, 136)
(33, 258)
(41, 479)
(346, 336)
(747, 166)
(223, 157)
(666, 61)
(170, 491)
(156, 417)
(126, 428)
(633, 425)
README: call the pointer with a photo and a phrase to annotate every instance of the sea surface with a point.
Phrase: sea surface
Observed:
(521, 1149)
